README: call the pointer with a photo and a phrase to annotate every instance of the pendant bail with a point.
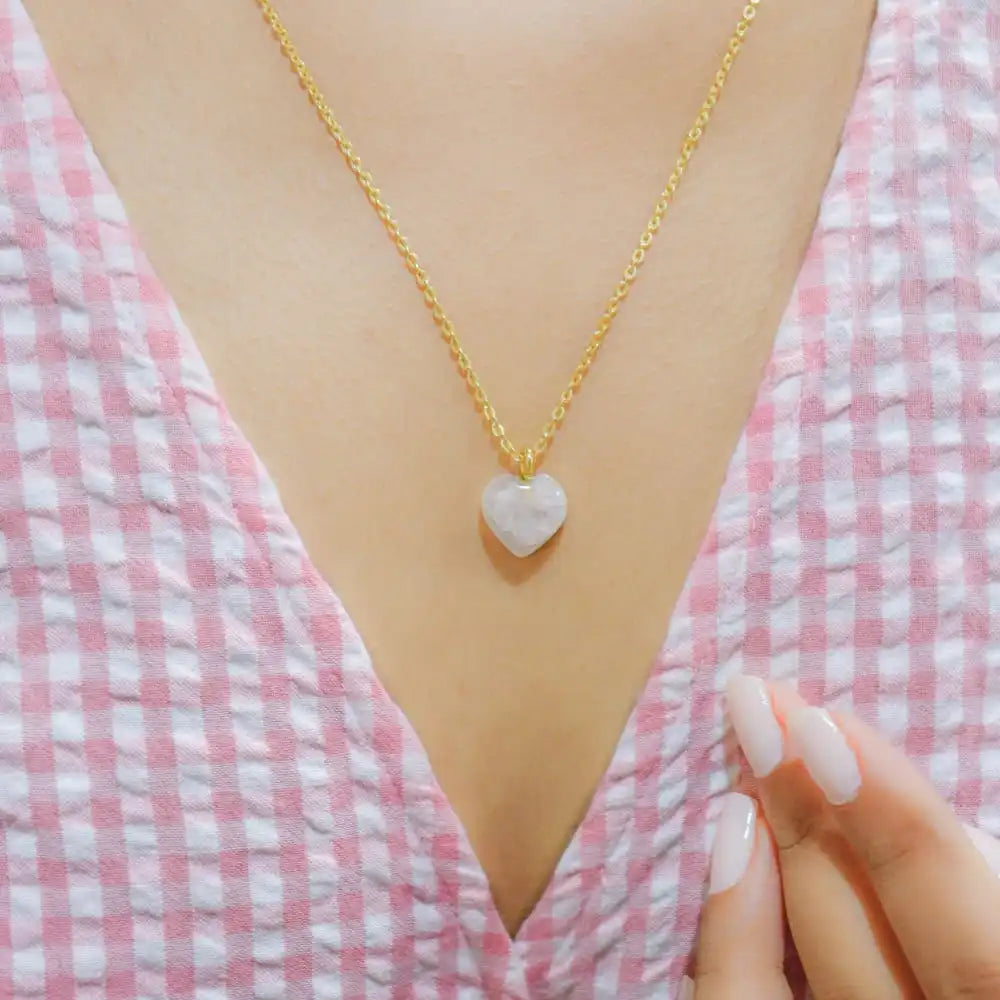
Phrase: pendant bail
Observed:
(526, 463)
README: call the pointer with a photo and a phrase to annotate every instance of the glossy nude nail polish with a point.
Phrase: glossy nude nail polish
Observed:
(826, 754)
(755, 723)
(732, 849)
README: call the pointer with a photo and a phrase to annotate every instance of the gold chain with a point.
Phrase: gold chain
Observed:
(524, 459)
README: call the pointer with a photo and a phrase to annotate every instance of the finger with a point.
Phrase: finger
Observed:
(843, 938)
(934, 885)
(741, 939)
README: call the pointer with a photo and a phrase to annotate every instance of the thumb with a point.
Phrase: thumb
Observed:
(741, 944)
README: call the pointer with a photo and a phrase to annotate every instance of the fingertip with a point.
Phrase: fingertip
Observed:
(755, 724)
(826, 753)
(741, 927)
(735, 836)
(686, 991)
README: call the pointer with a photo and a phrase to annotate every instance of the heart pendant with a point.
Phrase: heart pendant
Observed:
(524, 513)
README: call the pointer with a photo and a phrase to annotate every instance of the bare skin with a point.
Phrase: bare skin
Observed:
(522, 147)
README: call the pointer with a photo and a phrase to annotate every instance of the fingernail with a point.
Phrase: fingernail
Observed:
(989, 847)
(756, 727)
(734, 839)
(826, 754)
(686, 991)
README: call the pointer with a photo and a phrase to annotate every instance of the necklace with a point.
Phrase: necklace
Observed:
(523, 508)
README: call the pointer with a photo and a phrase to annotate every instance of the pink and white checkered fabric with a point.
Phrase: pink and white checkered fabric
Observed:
(204, 790)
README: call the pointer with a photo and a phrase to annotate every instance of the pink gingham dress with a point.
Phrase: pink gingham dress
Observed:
(204, 790)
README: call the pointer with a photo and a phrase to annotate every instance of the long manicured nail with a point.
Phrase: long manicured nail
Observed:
(826, 754)
(755, 723)
(686, 991)
(734, 839)
(989, 847)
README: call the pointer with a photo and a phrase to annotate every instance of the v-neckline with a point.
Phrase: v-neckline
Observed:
(441, 819)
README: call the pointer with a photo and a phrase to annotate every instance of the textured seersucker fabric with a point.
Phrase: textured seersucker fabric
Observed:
(204, 790)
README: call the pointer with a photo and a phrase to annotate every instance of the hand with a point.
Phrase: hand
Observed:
(885, 892)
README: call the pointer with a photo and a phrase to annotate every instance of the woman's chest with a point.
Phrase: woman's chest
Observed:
(201, 760)
(519, 677)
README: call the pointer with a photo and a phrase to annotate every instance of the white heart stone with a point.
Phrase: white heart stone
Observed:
(524, 513)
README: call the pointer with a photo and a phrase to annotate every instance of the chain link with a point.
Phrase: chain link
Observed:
(528, 457)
